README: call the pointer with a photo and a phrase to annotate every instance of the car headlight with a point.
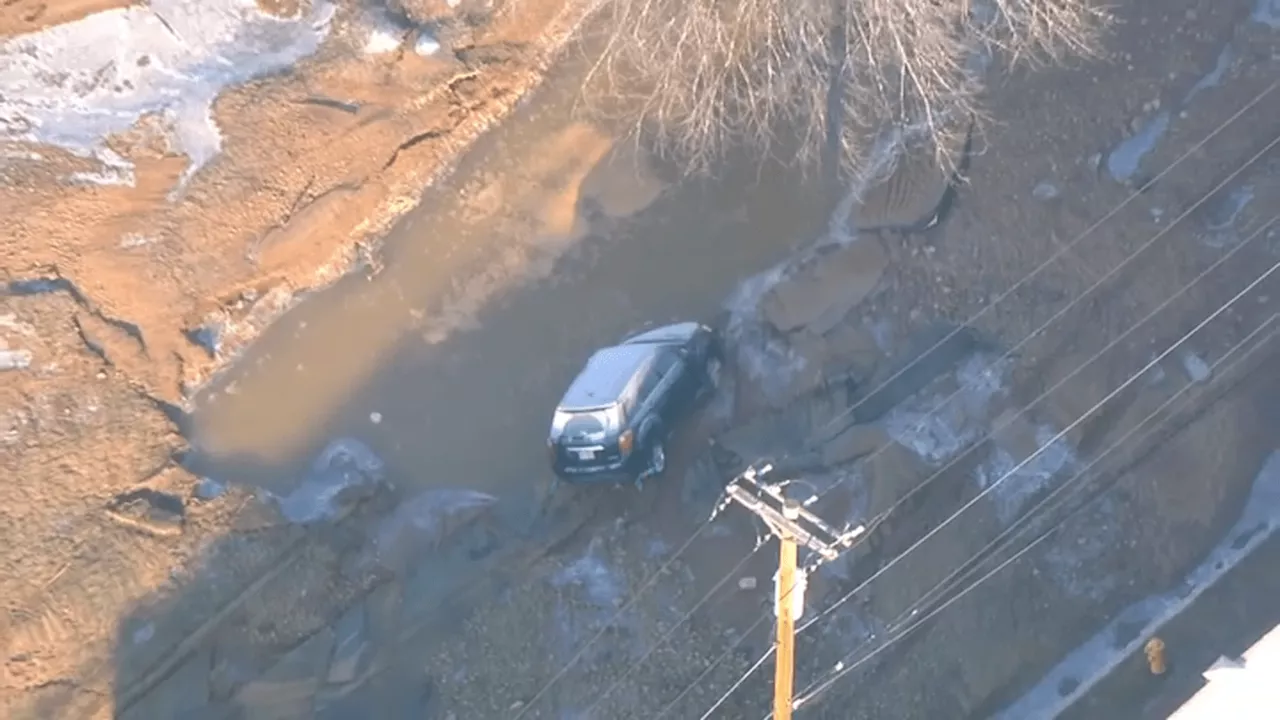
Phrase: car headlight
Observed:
(625, 441)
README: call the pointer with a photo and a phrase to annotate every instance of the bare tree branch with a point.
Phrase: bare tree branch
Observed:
(703, 76)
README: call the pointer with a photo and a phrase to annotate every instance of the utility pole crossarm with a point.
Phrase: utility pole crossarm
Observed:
(794, 525)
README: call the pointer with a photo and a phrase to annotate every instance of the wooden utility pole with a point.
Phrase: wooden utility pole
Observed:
(784, 667)
(794, 526)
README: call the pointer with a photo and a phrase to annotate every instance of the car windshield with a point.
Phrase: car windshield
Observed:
(589, 426)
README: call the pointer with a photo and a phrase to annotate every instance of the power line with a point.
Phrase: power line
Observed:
(842, 670)
(1084, 415)
(1062, 250)
(875, 522)
(1053, 440)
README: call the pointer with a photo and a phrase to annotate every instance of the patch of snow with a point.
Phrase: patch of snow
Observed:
(73, 85)
(589, 572)
(1221, 217)
(1019, 487)
(1082, 669)
(384, 33)
(144, 633)
(383, 40)
(937, 428)
(1197, 369)
(882, 332)
(763, 357)
(17, 154)
(422, 523)
(15, 359)
(1126, 159)
(1225, 60)
(1044, 190)
(134, 240)
(591, 592)
(209, 489)
(426, 45)
(1267, 12)
(344, 465)
(113, 169)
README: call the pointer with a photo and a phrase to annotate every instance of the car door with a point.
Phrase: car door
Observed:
(672, 391)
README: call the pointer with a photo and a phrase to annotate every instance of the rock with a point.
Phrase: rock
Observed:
(149, 511)
(344, 474)
(209, 489)
(809, 356)
(419, 526)
(855, 442)
(891, 473)
(852, 346)
(260, 512)
(820, 293)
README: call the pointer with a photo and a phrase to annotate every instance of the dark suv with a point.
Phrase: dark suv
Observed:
(613, 420)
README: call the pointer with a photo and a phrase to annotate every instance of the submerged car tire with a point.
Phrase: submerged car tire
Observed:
(657, 458)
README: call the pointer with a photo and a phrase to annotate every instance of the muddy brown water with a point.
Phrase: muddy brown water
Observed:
(550, 239)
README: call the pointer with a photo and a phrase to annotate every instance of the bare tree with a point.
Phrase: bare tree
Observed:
(816, 80)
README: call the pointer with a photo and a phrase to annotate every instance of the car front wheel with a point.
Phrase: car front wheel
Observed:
(657, 458)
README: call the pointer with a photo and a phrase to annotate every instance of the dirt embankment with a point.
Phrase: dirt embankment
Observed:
(138, 255)
(193, 232)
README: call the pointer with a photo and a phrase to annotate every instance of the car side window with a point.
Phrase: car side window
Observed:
(663, 365)
(648, 384)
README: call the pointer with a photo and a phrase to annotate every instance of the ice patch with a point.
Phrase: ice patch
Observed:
(15, 359)
(1226, 59)
(937, 434)
(345, 466)
(589, 572)
(426, 45)
(1082, 669)
(763, 357)
(383, 40)
(1125, 160)
(1018, 487)
(1221, 216)
(113, 170)
(882, 332)
(1197, 369)
(422, 523)
(1267, 12)
(75, 84)
(384, 33)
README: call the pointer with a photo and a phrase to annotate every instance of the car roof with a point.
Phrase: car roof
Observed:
(606, 375)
